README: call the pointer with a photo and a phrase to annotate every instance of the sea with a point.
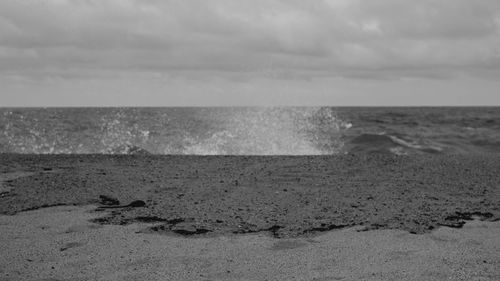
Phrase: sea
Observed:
(250, 130)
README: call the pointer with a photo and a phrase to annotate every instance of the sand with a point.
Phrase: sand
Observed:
(59, 243)
(285, 196)
(345, 217)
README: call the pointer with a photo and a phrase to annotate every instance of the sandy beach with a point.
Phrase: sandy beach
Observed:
(344, 217)
(287, 196)
(59, 243)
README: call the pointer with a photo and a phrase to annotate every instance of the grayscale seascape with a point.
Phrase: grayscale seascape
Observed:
(256, 140)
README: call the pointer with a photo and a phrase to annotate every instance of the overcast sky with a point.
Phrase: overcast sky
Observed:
(249, 52)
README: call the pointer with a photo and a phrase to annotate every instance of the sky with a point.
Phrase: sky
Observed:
(249, 52)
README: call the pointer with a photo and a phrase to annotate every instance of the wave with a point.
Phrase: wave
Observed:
(383, 143)
(271, 131)
(249, 130)
(192, 131)
(129, 150)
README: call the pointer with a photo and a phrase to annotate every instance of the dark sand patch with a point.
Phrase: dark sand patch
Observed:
(70, 245)
(284, 196)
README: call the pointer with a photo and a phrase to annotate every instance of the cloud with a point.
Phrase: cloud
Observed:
(271, 38)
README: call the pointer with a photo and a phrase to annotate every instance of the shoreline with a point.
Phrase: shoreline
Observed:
(289, 196)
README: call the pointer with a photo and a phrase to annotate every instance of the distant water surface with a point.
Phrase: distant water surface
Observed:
(250, 130)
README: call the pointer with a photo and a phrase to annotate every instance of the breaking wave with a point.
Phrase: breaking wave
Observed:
(197, 131)
(249, 130)
(276, 131)
(382, 143)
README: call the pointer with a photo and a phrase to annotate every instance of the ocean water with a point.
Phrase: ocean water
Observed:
(251, 130)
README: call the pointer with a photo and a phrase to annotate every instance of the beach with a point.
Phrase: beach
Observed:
(59, 243)
(287, 196)
(254, 202)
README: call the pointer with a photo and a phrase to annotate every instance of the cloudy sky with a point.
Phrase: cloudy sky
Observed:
(249, 52)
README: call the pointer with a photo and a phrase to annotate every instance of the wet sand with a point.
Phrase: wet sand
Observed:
(284, 196)
(59, 243)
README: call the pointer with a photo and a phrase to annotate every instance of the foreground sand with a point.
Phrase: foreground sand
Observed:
(59, 243)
